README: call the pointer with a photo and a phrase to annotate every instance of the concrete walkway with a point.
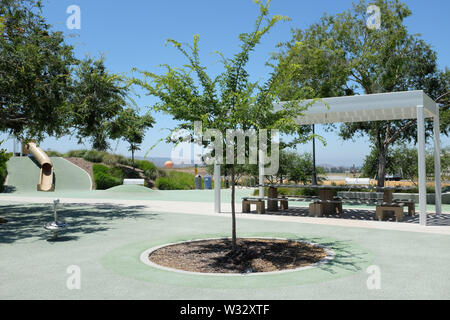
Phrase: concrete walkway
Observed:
(201, 208)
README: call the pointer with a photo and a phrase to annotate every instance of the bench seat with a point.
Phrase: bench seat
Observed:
(260, 207)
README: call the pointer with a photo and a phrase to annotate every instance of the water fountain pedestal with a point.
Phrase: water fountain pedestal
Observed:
(55, 226)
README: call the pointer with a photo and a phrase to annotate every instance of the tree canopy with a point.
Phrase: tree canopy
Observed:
(339, 55)
(35, 72)
(98, 98)
(44, 89)
(131, 127)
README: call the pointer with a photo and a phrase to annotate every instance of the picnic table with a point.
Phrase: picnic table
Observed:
(328, 204)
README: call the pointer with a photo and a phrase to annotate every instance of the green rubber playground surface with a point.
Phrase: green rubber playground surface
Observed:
(106, 241)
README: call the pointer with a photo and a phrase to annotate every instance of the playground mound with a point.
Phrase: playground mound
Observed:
(129, 189)
(252, 256)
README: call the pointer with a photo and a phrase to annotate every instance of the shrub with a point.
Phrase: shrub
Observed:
(103, 177)
(145, 165)
(110, 159)
(176, 181)
(308, 192)
(75, 153)
(123, 160)
(151, 172)
(4, 157)
(52, 153)
(94, 156)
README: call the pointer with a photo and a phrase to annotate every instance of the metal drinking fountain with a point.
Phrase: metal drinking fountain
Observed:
(55, 226)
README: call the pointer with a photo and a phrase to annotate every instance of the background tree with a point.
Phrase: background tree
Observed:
(228, 101)
(35, 72)
(403, 160)
(131, 127)
(340, 56)
(369, 168)
(98, 98)
(301, 168)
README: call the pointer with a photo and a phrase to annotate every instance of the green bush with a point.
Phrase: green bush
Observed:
(4, 157)
(111, 159)
(52, 153)
(104, 177)
(94, 156)
(151, 172)
(315, 192)
(124, 161)
(176, 181)
(145, 165)
(75, 154)
(307, 192)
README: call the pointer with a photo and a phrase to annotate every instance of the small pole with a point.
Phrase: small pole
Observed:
(314, 174)
(55, 216)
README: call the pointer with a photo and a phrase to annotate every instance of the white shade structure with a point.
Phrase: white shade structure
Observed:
(377, 107)
(384, 106)
(371, 107)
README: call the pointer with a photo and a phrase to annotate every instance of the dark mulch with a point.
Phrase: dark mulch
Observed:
(253, 255)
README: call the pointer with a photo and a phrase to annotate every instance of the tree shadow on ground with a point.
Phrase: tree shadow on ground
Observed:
(347, 257)
(9, 189)
(27, 221)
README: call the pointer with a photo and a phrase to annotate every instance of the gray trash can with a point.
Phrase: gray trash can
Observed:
(208, 182)
(198, 182)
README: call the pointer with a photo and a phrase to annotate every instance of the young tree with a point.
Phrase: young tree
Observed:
(228, 101)
(98, 98)
(340, 55)
(131, 126)
(35, 72)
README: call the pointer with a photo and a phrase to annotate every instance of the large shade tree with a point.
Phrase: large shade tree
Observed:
(225, 102)
(339, 55)
(35, 72)
(99, 96)
(44, 89)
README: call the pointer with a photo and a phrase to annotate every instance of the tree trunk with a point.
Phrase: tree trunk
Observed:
(233, 211)
(381, 165)
(132, 158)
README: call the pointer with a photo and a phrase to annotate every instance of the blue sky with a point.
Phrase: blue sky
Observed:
(133, 34)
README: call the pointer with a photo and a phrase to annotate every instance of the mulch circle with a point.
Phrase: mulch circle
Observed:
(252, 256)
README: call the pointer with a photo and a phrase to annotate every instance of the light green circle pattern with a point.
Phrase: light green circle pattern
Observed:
(350, 259)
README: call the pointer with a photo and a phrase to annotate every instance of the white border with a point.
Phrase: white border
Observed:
(144, 257)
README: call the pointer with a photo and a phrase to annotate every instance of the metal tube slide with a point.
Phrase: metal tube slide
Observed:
(46, 176)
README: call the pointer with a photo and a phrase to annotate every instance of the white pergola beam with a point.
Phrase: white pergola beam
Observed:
(361, 108)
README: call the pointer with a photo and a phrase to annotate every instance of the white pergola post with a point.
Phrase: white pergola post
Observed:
(422, 168)
(261, 173)
(217, 187)
(437, 162)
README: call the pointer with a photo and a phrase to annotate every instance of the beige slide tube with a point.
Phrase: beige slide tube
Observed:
(46, 176)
